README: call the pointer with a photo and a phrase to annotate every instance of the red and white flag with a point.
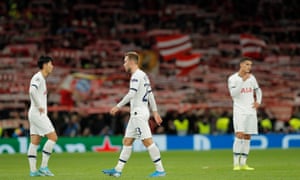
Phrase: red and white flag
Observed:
(187, 62)
(170, 46)
(252, 46)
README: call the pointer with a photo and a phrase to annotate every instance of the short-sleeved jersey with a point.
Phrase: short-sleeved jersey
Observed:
(39, 83)
(243, 101)
(140, 83)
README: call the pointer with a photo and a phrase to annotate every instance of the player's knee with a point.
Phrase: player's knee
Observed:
(35, 142)
(52, 137)
(35, 139)
(247, 136)
(239, 135)
(147, 142)
(127, 141)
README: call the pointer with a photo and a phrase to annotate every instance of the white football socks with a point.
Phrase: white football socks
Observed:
(31, 154)
(124, 156)
(47, 150)
(245, 152)
(237, 150)
(155, 156)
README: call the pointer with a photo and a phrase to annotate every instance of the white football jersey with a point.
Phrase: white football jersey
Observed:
(38, 93)
(242, 93)
(140, 83)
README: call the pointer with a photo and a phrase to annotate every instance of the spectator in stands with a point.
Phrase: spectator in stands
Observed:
(222, 123)
(19, 131)
(59, 119)
(5, 134)
(181, 124)
(86, 123)
(13, 11)
(72, 128)
(294, 124)
(204, 123)
(203, 126)
(168, 122)
(265, 123)
(242, 87)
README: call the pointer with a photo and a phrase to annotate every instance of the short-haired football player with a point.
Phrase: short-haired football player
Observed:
(140, 96)
(40, 124)
(247, 97)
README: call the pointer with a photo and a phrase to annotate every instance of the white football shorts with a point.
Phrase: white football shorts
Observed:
(246, 123)
(40, 124)
(138, 126)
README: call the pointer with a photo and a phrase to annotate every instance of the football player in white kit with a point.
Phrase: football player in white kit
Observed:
(40, 124)
(139, 96)
(242, 86)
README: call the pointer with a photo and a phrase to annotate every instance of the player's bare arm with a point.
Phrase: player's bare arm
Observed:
(157, 118)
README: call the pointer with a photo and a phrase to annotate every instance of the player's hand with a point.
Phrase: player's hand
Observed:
(157, 118)
(114, 110)
(255, 105)
(41, 110)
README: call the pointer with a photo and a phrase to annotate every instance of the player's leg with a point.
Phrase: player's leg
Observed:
(238, 125)
(237, 150)
(245, 153)
(123, 158)
(47, 129)
(46, 153)
(155, 157)
(32, 154)
(146, 136)
(251, 128)
(35, 140)
(125, 154)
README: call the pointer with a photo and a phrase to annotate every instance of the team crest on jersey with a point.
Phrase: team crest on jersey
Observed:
(246, 90)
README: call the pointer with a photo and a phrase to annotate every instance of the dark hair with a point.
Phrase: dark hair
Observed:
(133, 56)
(243, 59)
(43, 60)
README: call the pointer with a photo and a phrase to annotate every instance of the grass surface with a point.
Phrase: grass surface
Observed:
(270, 164)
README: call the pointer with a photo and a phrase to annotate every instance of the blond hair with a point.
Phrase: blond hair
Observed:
(132, 55)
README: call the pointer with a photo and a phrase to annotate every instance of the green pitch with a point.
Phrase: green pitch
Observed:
(180, 165)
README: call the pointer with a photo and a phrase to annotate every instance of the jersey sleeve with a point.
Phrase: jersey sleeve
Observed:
(33, 90)
(133, 87)
(255, 85)
(152, 102)
(234, 86)
(257, 91)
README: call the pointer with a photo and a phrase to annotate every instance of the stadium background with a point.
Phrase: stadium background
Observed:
(188, 49)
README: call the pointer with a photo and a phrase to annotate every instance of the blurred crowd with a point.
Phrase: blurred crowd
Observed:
(71, 31)
(204, 122)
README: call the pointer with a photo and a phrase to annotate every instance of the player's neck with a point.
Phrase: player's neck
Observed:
(133, 69)
(44, 73)
(242, 73)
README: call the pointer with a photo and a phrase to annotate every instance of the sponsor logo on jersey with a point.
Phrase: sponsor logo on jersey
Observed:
(134, 80)
(246, 90)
